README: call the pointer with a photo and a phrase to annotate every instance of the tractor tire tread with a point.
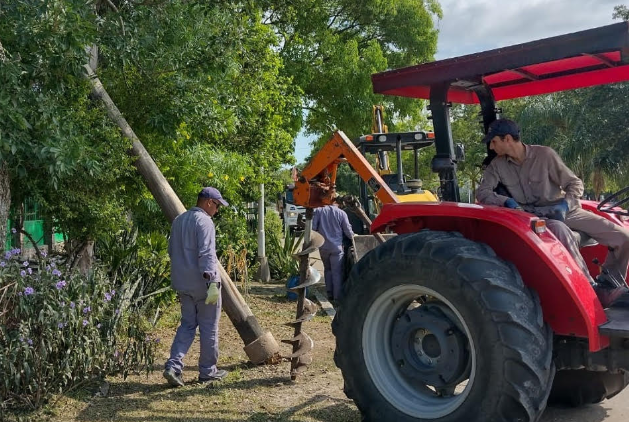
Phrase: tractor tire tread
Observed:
(525, 339)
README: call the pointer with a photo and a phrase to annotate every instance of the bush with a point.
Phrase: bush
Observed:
(282, 264)
(60, 329)
(139, 264)
(273, 224)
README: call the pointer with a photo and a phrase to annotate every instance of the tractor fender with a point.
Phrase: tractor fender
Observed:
(569, 304)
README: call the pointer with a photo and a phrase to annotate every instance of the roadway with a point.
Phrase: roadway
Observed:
(613, 410)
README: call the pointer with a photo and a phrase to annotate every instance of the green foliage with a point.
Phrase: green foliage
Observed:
(587, 127)
(347, 181)
(273, 224)
(621, 12)
(139, 266)
(282, 264)
(59, 329)
(330, 48)
(201, 74)
(59, 149)
(232, 233)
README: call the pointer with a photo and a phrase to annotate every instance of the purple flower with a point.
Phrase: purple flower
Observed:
(29, 270)
(3, 264)
(56, 272)
(29, 341)
(72, 305)
(44, 254)
(13, 230)
(85, 322)
(107, 297)
(116, 354)
(117, 311)
(60, 284)
(157, 340)
(29, 291)
(7, 255)
(25, 263)
(86, 309)
(60, 325)
(19, 293)
(113, 293)
(98, 326)
(53, 265)
(16, 251)
(23, 273)
(47, 267)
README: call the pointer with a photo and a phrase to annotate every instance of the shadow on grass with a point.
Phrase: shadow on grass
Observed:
(119, 407)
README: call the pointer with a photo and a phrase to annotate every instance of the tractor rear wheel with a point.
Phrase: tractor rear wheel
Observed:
(435, 327)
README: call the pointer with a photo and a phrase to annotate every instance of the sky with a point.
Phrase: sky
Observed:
(471, 26)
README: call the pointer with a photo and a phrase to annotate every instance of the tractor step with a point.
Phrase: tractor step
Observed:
(617, 324)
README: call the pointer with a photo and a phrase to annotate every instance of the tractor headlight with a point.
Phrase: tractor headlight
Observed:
(292, 214)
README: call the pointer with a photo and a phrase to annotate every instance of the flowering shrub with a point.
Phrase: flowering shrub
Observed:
(60, 329)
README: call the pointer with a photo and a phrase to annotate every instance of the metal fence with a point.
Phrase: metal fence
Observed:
(33, 225)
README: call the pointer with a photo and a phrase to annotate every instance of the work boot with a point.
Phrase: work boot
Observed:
(612, 296)
(173, 378)
(218, 375)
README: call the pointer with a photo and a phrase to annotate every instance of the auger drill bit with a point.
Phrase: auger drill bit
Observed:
(308, 276)
(310, 310)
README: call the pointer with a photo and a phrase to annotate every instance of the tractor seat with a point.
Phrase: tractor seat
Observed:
(583, 239)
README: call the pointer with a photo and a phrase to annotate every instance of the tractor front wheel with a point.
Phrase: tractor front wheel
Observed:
(435, 327)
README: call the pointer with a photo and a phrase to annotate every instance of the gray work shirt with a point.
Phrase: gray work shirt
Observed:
(192, 250)
(332, 223)
(540, 180)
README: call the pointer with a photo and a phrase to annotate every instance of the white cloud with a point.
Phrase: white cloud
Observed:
(470, 26)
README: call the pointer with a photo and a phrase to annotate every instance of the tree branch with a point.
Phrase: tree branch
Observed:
(115, 9)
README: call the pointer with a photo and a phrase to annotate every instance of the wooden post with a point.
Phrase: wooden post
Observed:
(260, 346)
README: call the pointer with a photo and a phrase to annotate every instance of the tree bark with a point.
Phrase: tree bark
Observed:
(5, 201)
(234, 305)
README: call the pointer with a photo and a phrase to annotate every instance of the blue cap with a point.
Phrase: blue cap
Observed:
(212, 193)
(502, 127)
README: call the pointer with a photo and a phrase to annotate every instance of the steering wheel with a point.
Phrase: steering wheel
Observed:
(613, 201)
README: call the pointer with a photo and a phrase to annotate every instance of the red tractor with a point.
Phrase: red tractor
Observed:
(476, 313)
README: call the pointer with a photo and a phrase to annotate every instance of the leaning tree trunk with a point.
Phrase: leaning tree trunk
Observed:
(5, 203)
(260, 346)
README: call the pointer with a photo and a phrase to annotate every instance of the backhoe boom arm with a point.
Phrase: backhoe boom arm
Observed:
(316, 184)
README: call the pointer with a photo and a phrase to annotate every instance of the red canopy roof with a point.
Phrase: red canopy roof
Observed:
(581, 59)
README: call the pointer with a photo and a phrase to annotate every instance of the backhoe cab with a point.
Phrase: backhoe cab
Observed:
(475, 313)
(407, 188)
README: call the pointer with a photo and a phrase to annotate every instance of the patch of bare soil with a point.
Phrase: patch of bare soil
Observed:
(249, 393)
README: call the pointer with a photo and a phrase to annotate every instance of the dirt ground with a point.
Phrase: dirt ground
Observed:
(249, 393)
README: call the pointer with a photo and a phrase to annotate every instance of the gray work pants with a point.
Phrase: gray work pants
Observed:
(333, 271)
(194, 312)
(566, 237)
(598, 228)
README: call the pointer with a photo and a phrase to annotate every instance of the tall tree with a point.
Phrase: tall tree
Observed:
(330, 48)
(621, 12)
(50, 136)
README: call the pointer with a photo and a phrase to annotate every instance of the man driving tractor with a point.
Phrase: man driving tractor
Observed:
(540, 183)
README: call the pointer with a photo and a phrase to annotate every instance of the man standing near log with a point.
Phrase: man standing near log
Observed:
(196, 278)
